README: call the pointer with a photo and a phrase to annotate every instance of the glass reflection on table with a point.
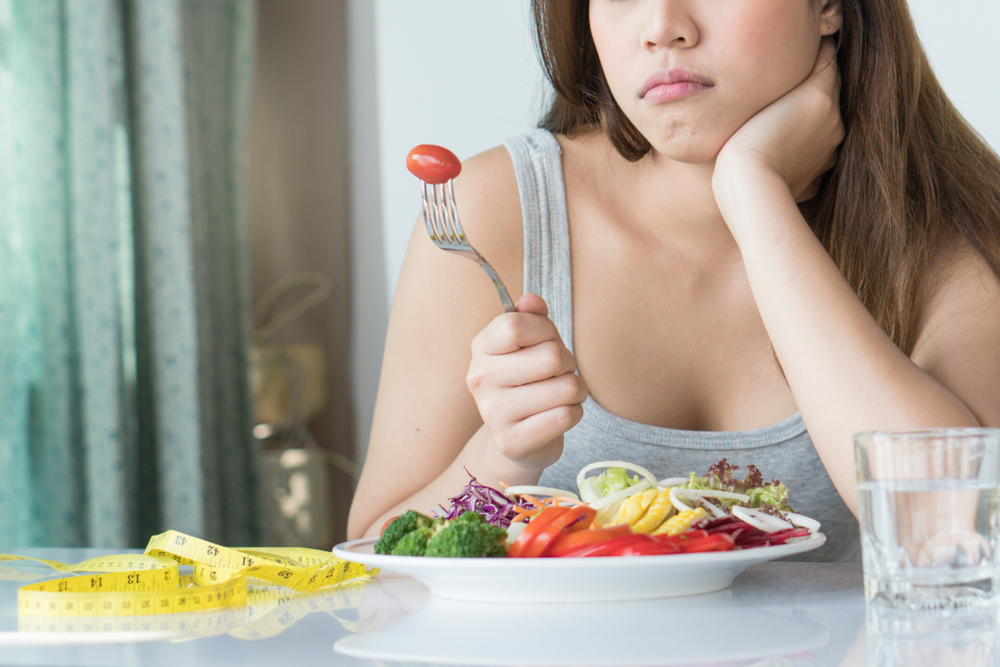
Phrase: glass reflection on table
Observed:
(966, 638)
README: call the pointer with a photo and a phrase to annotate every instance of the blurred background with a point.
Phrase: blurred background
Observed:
(203, 211)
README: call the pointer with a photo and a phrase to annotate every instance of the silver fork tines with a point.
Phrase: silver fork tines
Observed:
(445, 230)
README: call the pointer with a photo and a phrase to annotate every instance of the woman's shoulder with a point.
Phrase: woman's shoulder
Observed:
(958, 333)
(959, 285)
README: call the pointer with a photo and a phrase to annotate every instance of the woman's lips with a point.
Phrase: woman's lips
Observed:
(664, 86)
(673, 91)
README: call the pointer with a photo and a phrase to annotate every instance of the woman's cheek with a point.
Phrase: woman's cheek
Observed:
(752, 41)
(765, 73)
(774, 41)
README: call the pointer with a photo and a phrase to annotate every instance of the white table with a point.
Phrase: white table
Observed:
(775, 613)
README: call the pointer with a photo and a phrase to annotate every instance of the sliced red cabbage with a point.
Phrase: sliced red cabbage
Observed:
(488, 502)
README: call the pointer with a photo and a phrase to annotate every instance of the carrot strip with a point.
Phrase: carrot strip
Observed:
(523, 513)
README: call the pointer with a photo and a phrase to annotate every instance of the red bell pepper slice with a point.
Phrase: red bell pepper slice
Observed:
(609, 547)
(713, 542)
(569, 542)
(573, 519)
(540, 522)
(653, 548)
(681, 537)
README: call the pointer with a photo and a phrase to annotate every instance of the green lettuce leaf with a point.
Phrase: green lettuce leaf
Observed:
(614, 480)
(720, 477)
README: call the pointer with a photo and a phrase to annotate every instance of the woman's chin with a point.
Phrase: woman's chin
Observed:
(688, 153)
(687, 145)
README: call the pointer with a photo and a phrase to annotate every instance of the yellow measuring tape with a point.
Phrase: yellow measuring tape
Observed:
(151, 583)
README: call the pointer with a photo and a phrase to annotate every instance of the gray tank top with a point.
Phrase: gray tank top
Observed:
(783, 451)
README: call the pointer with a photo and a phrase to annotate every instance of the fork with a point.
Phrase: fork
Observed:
(436, 167)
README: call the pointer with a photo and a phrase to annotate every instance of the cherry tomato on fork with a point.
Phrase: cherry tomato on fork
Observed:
(433, 164)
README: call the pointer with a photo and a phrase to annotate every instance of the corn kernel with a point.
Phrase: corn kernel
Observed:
(659, 510)
(682, 522)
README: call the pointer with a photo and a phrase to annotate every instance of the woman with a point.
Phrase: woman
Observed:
(746, 230)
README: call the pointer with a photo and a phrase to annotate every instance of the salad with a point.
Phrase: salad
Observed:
(621, 511)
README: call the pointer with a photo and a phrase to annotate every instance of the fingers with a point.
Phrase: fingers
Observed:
(512, 331)
(524, 421)
(532, 303)
(519, 348)
(523, 379)
(518, 405)
(548, 427)
(534, 363)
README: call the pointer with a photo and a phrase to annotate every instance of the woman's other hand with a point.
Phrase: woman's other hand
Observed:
(796, 136)
(524, 381)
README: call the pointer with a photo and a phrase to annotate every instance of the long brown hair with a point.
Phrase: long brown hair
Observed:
(912, 177)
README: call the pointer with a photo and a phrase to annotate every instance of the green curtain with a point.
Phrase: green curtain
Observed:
(124, 401)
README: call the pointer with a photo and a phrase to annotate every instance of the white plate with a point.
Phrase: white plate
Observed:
(573, 579)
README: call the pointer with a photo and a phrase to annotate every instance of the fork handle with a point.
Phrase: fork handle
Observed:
(508, 303)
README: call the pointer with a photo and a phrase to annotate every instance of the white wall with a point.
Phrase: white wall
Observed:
(458, 73)
(960, 37)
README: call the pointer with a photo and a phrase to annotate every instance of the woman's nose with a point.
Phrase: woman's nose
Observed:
(670, 23)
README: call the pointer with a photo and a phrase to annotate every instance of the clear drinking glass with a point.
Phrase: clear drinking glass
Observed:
(930, 528)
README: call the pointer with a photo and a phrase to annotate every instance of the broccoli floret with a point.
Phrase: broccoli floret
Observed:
(402, 525)
(472, 518)
(468, 539)
(497, 535)
(414, 543)
(498, 545)
(476, 519)
(467, 536)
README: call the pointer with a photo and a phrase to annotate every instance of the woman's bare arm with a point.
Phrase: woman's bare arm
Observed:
(424, 415)
(845, 373)
(453, 359)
